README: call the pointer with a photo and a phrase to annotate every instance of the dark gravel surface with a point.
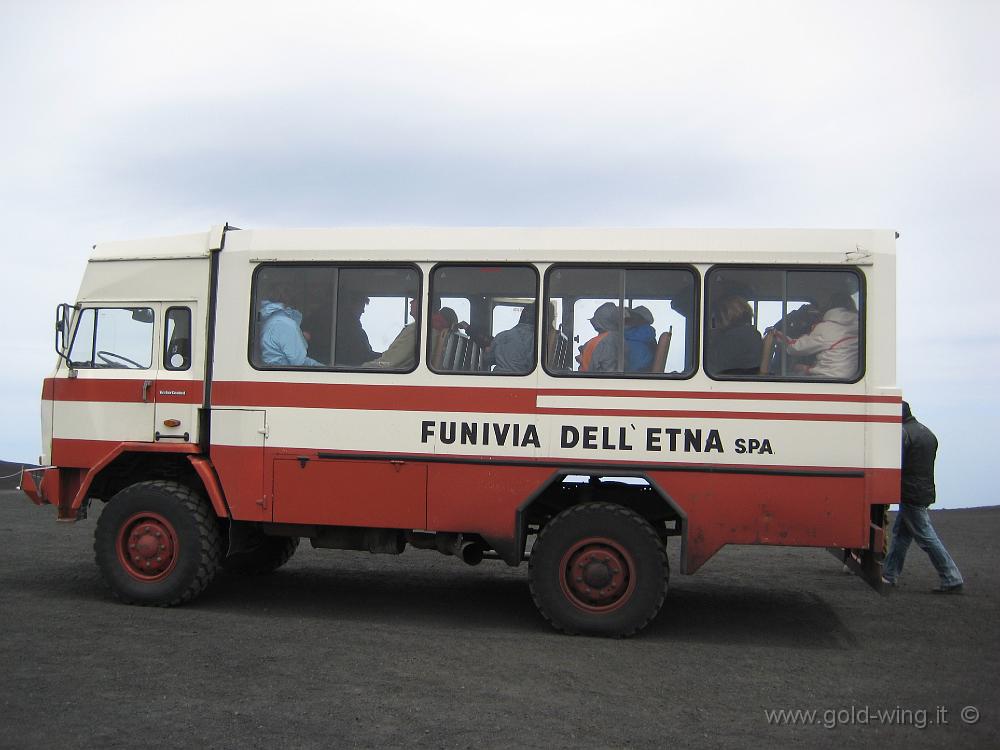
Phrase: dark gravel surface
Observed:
(346, 649)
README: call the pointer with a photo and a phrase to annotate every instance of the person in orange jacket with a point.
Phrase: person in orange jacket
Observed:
(600, 354)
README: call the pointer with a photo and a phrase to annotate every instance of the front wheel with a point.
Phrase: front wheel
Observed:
(598, 569)
(157, 543)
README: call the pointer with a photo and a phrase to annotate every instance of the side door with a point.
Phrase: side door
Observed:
(106, 395)
(237, 450)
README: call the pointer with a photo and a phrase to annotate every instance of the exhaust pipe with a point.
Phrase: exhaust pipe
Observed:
(472, 553)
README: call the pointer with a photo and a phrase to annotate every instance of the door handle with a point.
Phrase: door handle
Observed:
(146, 385)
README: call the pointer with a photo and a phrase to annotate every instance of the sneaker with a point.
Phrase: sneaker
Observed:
(955, 589)
(888, 582)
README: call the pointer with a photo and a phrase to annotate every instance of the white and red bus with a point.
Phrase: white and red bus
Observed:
(569, 397)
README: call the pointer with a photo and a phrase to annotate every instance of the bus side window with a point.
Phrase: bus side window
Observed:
(633, 321)
(377, 318)
(308, 315)
(177, 338)
(782, 323)
(483, 319)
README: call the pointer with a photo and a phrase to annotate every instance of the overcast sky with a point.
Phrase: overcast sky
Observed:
(135, 119)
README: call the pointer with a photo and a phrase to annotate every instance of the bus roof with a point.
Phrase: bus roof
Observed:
(581, 244)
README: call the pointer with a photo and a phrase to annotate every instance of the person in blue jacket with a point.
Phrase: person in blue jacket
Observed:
(640, 340)
(282, 342)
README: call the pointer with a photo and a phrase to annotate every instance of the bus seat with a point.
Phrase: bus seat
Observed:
(662, 349)
(551, 337)
(767, 352)
(439, 344)
(458, 351)
(475, 355)
(560, 352)
(451, 345)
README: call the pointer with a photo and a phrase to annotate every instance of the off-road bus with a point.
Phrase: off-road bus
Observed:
(569, 398)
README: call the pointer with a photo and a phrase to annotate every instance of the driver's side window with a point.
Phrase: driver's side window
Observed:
(113, 337)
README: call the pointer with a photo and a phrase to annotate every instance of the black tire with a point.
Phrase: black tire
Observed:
(158, 544)
(266, 556)
(598, 569)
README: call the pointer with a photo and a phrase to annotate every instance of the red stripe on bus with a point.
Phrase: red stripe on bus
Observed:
(123, 390)
(449, 399)
(481, 400)
(374, 397)
(272, 393)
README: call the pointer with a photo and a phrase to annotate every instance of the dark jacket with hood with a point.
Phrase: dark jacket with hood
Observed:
(919, 452)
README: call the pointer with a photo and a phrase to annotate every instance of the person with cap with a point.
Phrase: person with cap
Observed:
(600, 354)
(640, 340)
(913, 521)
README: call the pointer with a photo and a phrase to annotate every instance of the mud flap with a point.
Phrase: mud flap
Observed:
(863, 563)
(32, 487)
(867, 563)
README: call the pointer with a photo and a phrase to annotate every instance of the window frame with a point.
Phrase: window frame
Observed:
(696, 319)
(166, 338)
(792, 267)
(252, 322)
(483, 264)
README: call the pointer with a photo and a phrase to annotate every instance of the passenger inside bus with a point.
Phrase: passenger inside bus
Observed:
(513, 350)
(796, 323)
(282, 340)
(600, 354)
(491, 303)
(402, 352)
(445, 319)
(833, 341)
(734, 344)
(640, 340)
(353, 346)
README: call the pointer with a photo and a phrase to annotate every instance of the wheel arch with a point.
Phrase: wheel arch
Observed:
(130, 463)
(649, 500)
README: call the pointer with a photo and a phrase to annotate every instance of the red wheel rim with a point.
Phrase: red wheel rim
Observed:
(597, 574)
(147, 547)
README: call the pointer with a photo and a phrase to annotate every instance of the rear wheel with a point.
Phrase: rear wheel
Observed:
(267, 555)
(157, 543)
(599, 569)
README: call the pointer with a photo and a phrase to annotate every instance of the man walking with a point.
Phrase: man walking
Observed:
(913, 521)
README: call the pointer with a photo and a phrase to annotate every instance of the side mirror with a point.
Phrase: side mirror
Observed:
(64, 317)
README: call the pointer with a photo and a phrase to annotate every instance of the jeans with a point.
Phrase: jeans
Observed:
(913, 523)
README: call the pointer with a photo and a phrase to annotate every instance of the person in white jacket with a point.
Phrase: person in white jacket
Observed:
(834, 342)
